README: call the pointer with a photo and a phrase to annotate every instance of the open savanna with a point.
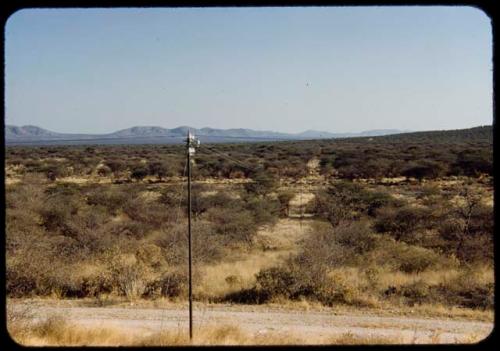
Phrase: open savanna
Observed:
(391, 226)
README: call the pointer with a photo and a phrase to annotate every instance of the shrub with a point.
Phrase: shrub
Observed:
(159, 169)
(18, 284)
(424, 169)
(247, 296)
(111, 199)
(239, 225)
(128, 277)
(103, 171)
(467, 230)
(320, 250)
(151, 256)
(172, 197)
(139, 172)
(55, 215)
(149, 213)
(207, 244)
(349, 201)
(63, 189)
(276, 281)
(417, 292)
(473, 162)
(414, 259)
(132, 229)
(284, 198)
(355, 236)
(169, 285)
(402, 223)
(264, 210)
(262, 184)
(116, 166)
(54, 171)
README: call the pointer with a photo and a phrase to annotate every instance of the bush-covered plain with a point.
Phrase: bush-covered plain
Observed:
(111, 220)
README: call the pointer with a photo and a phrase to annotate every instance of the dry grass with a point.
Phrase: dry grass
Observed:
(9, 180)
(431, 277)
(232, 275)
(216, 278)
(56, 331)
(149, 196)
(438, 310)
(351, 339)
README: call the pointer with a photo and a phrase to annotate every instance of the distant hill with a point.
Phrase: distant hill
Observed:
(27, 131)
(32, 135)
(476, 134)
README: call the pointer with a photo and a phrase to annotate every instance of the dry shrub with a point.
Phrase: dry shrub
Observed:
(151, 255)
(276, 281)
(235, 223)
(406, 258)
(414, 259)
(468, 290)
(112, 198)
(171, 284)
(146, 212)
(417, 292)
(129, 276)
(403, 223)
(132, 229)
(346, 286)
(207, 244)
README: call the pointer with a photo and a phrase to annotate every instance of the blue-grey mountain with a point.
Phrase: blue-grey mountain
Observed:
(155, 134)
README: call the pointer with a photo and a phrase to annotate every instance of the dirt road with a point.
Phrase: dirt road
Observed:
(314, 327)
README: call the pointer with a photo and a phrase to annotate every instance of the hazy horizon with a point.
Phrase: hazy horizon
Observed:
(331, 69)
(262, 130)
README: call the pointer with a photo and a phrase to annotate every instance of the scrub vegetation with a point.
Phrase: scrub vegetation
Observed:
(403, 220)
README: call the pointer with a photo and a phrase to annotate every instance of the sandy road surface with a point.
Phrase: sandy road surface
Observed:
(314, 327)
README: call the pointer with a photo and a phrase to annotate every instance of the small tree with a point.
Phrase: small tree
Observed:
(103, 171)
(470, 225)
(54, 171)
(116, 166)
(139, 173)
(159, 169)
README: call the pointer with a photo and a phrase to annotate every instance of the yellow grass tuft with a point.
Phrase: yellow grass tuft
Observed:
(351, 339)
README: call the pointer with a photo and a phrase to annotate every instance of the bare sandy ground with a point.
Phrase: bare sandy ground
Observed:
(315, 327)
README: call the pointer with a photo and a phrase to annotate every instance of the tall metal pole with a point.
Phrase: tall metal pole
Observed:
(189, 140)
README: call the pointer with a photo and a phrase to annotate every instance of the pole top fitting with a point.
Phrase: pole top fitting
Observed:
(192, 143)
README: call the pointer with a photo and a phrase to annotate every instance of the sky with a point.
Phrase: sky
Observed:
(336, 69)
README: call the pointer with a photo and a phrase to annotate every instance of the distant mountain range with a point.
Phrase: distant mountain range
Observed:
(152, 134)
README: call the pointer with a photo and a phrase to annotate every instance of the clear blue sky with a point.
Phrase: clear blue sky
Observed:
(338, 69)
